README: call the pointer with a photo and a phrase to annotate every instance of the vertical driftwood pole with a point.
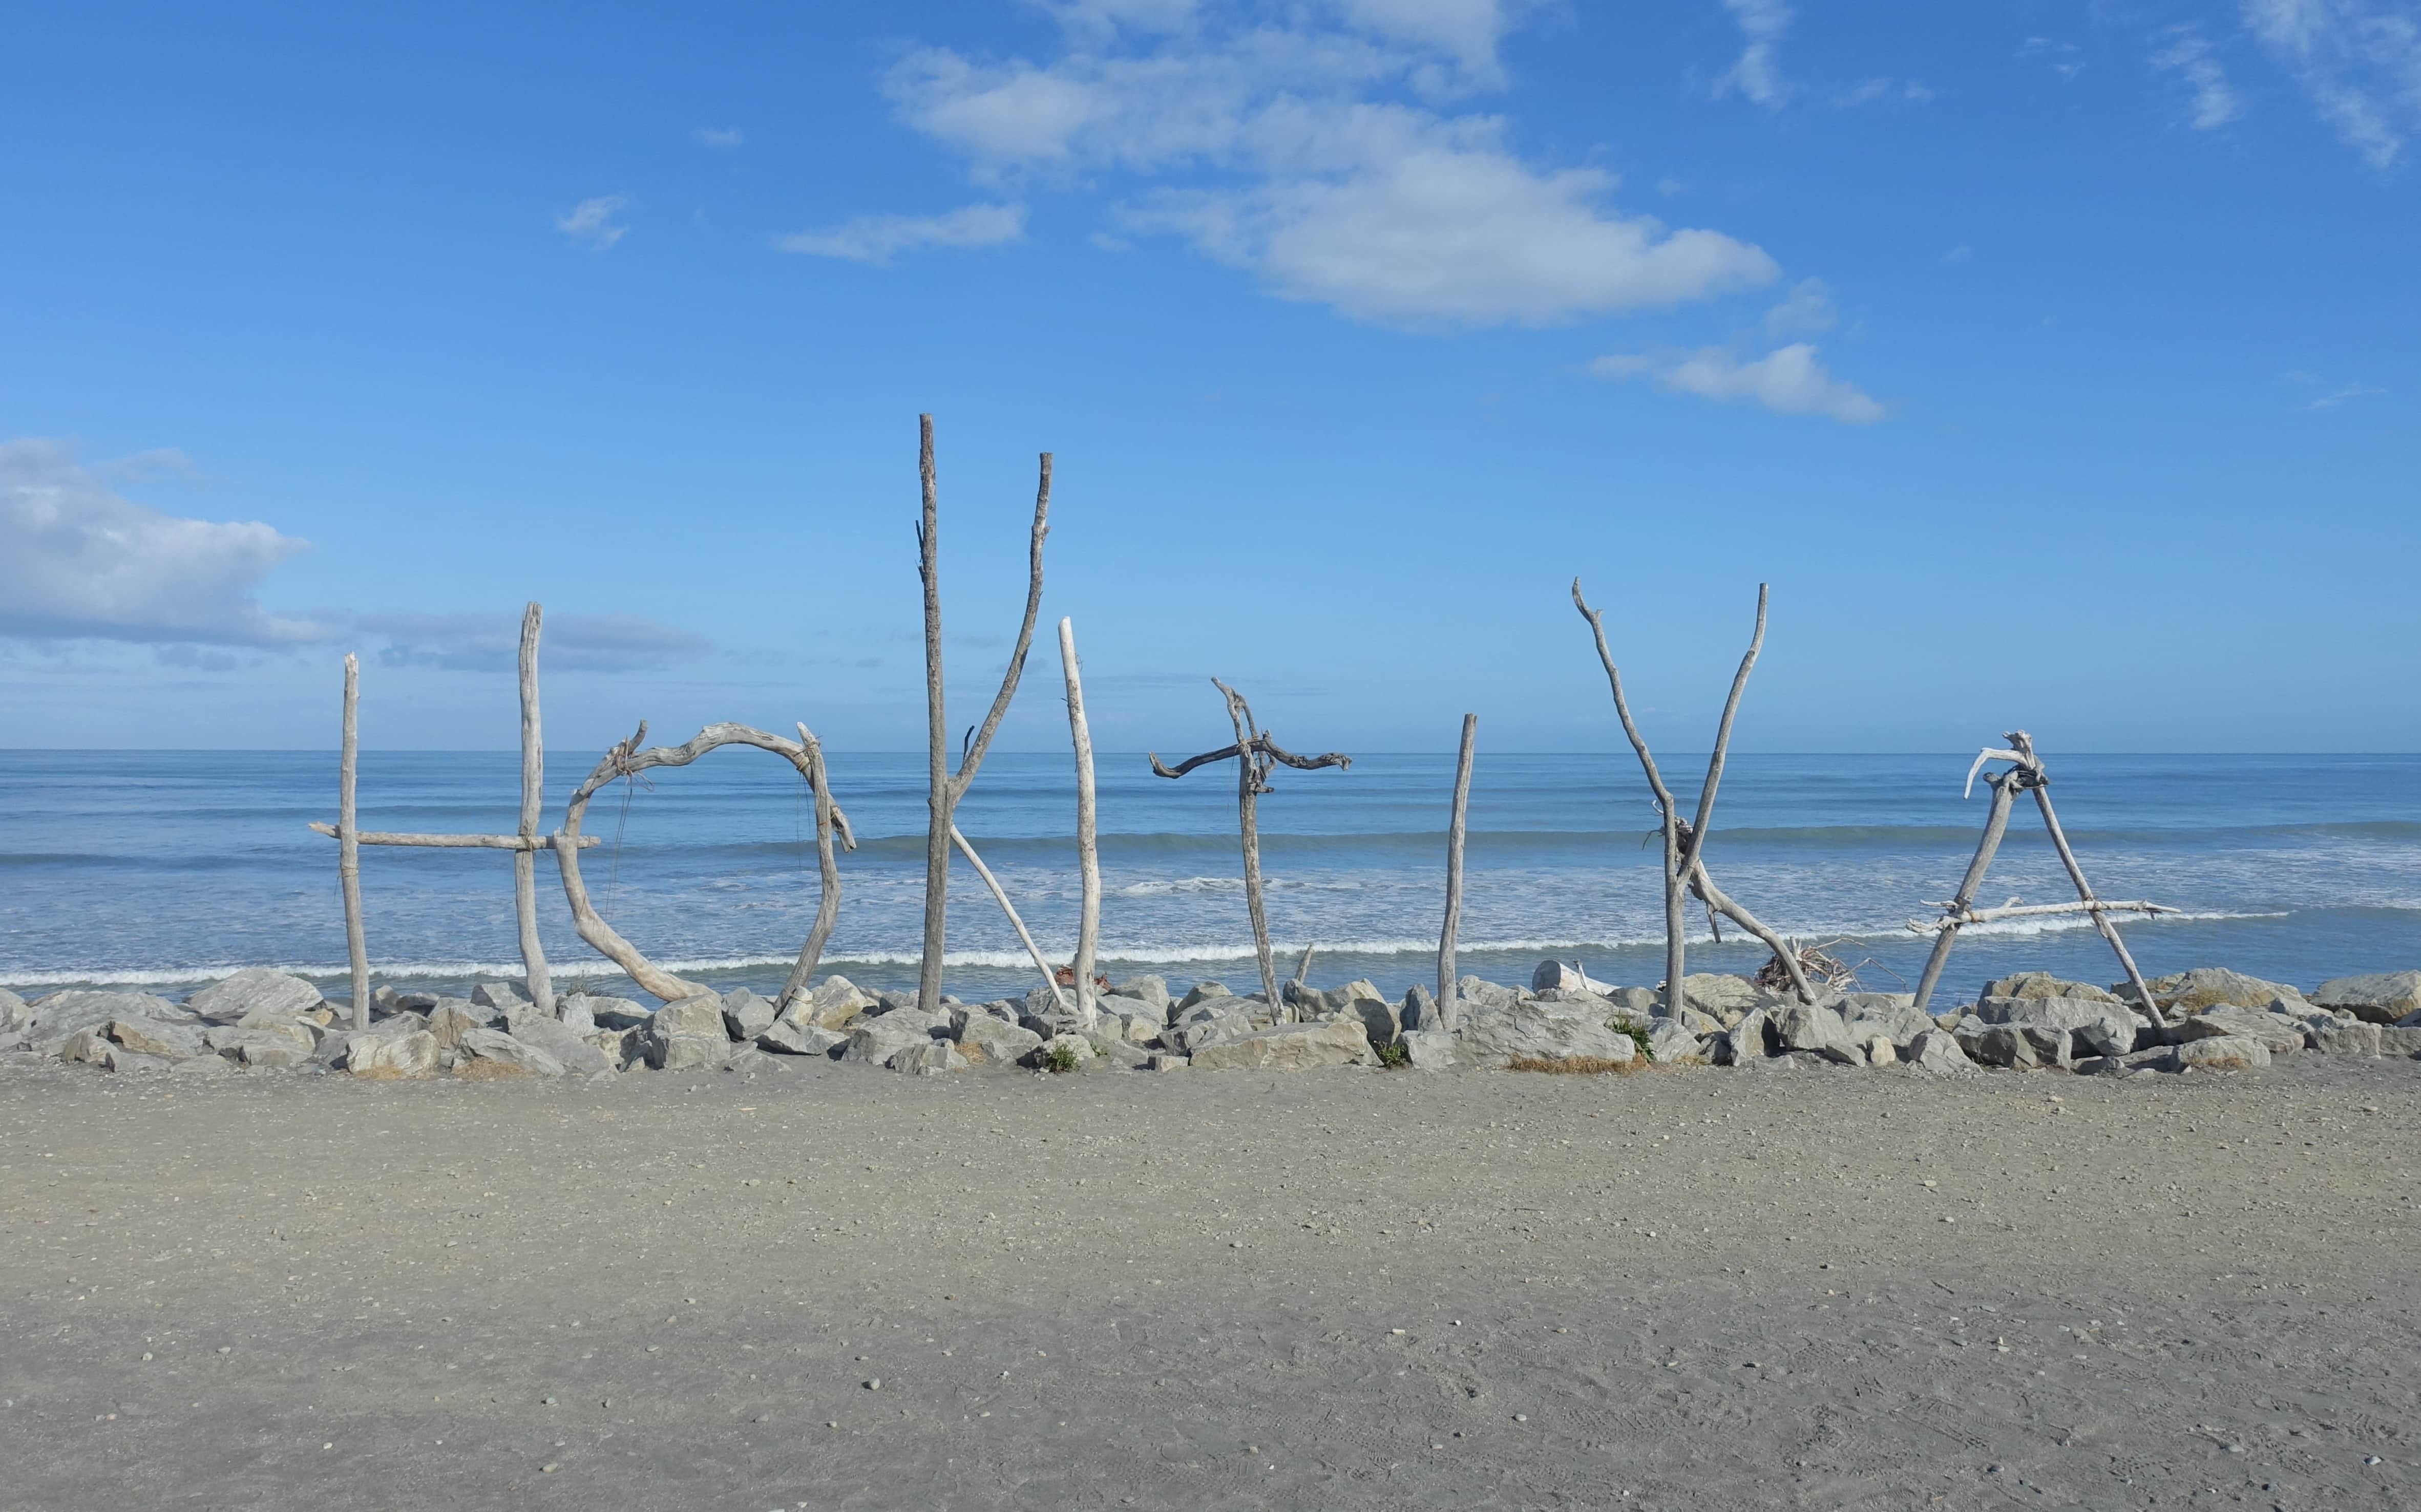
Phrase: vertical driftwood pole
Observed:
(937, 735)
(541, 987)
(827, 871)
(1996, 824)
(1675, 879)
(1449, 1013)
(1248, 788)
(1089, 860)
(348, 850)
(944, 788)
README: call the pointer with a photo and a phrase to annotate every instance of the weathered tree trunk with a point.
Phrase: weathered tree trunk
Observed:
(349, 854)
(1248, 788)
(1449, 1011)
(944, 790)
(2041, 785)
(1000, 896)
(1996, 824)
(827, 871)
(1089, 860)
(541, 987)
(1675, 925)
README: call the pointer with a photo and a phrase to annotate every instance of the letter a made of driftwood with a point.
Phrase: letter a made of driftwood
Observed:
(943, 787)
(1255, 756)
(2025, 773)
(628, 759)
(1685, 869)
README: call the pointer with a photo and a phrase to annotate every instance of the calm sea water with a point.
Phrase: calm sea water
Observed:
(169, 868)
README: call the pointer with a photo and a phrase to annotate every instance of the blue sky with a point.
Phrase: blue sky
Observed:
(2056, 363)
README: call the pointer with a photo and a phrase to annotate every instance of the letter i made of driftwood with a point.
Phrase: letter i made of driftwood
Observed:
(1685, 869)
(522, 842)
(943, 787)
(1257, 756)
(2024, 773)
(1449, 1012)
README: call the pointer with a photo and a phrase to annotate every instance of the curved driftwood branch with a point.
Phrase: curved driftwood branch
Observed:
(1676, 926)
(628, 759)
(541, 986)
(1000, 896)
(1088, 859)
(1718, 902)
(829, 819)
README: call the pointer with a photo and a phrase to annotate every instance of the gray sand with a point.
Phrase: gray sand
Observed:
(1342, 1290)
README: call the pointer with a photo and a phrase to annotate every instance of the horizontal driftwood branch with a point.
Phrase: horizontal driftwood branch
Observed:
(457, 842)
(1262, 745)
(1959, 917)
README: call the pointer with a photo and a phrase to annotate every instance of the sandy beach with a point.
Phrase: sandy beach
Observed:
(811, 1287)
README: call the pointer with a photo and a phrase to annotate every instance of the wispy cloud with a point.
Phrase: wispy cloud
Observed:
(492, 642)
(721, 138)
(878, 239)
(1804, 311)
(1882, 91)
(2212, 102)
(2066, 58)
(2360, 61)
(2334, 397)
(1757, 72)
(590, 222)
(1279, 143)
(1788, 380)
(77, 559)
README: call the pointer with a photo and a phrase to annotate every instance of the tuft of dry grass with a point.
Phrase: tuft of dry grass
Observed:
(1575, 1065)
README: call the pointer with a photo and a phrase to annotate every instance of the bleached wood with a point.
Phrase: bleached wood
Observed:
(541, 986)
(1089, 860)
(626, 759)
(1996, 823)
(1718, 902)
(1449, 1012)
(2109, 931)
(1000, 895)
(349, 855)
(1963, 917)
(455, 842)
(802, 971)
(945, 789)
(1675, 925)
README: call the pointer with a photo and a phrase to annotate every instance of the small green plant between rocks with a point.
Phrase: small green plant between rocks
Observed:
(1639, 1037)
(1062, 1058)
(1392, 1055)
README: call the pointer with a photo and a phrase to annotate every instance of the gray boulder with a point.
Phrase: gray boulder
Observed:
(388, 1057)
(1376, 1015)
(787, 1037)
(883, 1036)
(1202, 991)
(53, 1019)
(932, 1058)
(605, 1012)
(986, 1039)
(1209, 1021)
(2044, 984)
(2104, 1026)
(1418, 1011)
(1817, 1030)
(15, 1013)
(1338, 1041)
(1152, 991)
(1892, 1015)
(449, 1021)
(2222, 1053)
(2002, 1045)
(1563, 975)
(1137, 1020)
(263, 1049)
(1721, 995)
(1110, 1048)
(1673, 1044)
(491, 1054)
(2384, 997)
(745, 1014)
(1751, 1038)
(1643, 1002)
(2343, 1037)
(149, 1036)
(501, 996)
(1938, 1051)
(1541, 1029)
(2210, 986)
(1431, 1049)
(1472, 993)
(688, 1035)
(256, 990)
(2280, 1033)
(565, 1045)
(834, 1002)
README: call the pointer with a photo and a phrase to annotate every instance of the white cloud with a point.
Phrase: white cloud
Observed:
(591, 221)
(1807, 310)
(1788, 380)
(2334, 397)
(2360, 61)
(491, 643)
(1757, 74)
(878, 239)
(1879, 91)
(722, 139)
(1288, 150)
(2189, 55)
(2066, 58)
(77, 559)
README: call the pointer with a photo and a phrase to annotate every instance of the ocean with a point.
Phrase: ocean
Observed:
(165, 869)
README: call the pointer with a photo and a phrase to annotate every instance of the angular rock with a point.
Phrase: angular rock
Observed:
(573, 1014)
(787, 1037)
(1938, 1051)
(53, 1019)
(1165, 1060)
(15, 1013)
(1202, 990)
(1722, 995)
(745, 1014)
(2222, 1053)
(1541, 1029)
(2338, 1036)
(563, 1044)
(1673, 1044)
(2400, 1040)
(1819, 1030)
(607, 1012)
(1472, 993)
(1292, 1048)
(1892, 1015)
(1137, 1020)
(931, 1058)
(501, 996)
(488, 1053)
(1647, 1002)
(1881, 1051)
(1431, 1049)
(1152, 991)
(833, 1004)
(1751, 1038)
(702, 1016)
(2383, 997)
(2210, 986)
(2280, 1034)
(1418, 1011)
(1377, 1017)
(449, 1021)
(1004, 1044)
(387, 1057)
(2104, 1026)
(149, 1036)
(2001, 1045)
(257, 989)
(1208, 1022)
(1113, 1049)
(2052, 1046)
(86, 1047)
(119, 1058)
(230, 1040)
(685, 1052)
(1075, 1049)
(878, 1038)
(2044, 984)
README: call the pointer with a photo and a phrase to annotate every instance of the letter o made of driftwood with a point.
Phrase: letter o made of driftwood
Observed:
(627, 760)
